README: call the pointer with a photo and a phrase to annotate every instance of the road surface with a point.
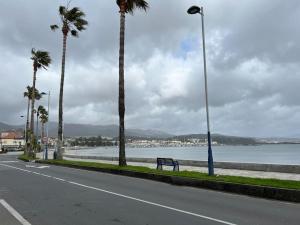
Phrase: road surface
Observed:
(34, 194)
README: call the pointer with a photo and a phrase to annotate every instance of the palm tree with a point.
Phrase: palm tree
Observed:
(126, 6)
(40, 110)
(28, 94)
(72, 22)
(41, 59)
(43, 115)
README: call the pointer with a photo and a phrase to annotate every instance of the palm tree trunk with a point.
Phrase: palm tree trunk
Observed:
(32, 111)
(42, 136)
(61, 94)
(122, 156)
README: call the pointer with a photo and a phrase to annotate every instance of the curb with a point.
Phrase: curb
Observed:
(281, 194)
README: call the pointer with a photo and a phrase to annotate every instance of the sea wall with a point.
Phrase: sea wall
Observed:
(223, 165)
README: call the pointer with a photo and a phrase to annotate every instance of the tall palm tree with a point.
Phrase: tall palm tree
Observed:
(41, 59)
(28, 94)
(126, 6)
(72, 22)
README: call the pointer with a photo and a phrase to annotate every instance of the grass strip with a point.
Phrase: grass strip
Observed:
(26, 158)
(286, 184)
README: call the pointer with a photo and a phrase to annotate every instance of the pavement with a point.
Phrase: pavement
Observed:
(52, 195)
(218, 171)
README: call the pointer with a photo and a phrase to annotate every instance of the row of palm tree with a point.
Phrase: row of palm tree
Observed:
(41, 60)
(28, 94)
(73, 22)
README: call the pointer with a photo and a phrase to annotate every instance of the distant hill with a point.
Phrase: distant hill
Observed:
(6, 127)
(86, 130)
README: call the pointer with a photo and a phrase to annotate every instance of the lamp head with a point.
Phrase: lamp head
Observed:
(194, 10)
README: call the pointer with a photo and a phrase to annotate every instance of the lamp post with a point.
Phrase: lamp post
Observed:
(47, 128)
(195, 10)
(25, 131)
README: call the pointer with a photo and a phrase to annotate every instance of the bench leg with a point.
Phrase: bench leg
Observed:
(176, 168)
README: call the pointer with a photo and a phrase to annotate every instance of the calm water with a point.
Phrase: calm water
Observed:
(269, 154)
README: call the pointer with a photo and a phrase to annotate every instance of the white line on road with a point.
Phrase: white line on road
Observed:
(39, 167)
(152, 203)
(13, 212)
(126, 196)
(8, 161)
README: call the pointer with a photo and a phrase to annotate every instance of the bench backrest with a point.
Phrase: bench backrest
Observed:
(165, 161)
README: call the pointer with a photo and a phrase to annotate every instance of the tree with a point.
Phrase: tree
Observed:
(41, 59)
(40, 110)
(28, 94)
(126, 6)
(43, 116)
(72, 22)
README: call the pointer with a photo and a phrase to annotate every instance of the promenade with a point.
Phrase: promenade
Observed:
(218, 171)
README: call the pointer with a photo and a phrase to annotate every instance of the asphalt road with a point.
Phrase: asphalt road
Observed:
(64, 196)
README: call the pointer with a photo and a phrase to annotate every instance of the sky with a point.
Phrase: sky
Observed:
(253, 65)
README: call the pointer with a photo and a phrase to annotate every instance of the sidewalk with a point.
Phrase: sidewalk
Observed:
(231, 172)
(218, 171)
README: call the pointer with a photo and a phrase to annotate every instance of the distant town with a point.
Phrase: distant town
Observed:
(14, 140)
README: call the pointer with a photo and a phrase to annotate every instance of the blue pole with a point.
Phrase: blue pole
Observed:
(210, 156)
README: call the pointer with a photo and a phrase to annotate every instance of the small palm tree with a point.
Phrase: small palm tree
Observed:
(43, 115)
(41, 59)
(72, 22)
(28, 94)
(126, 6)
(40, 110)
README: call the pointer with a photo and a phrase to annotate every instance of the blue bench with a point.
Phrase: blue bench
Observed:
(167, 162)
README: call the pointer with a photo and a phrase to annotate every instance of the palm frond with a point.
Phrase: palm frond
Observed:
(80, 24)
(74, 33)
(62, 10)
(72, 20)
(131, 5)
(41, 58)
(54, 27)
(138, 4)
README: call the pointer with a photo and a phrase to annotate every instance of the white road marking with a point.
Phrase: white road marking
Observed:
(126, 196)
(8, 161)
(39, 167)
(152, 203)
(13, 212)
(56, 178)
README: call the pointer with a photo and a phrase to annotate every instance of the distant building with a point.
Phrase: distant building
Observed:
(12, 140)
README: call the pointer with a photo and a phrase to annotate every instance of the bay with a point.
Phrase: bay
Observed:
(286, 154)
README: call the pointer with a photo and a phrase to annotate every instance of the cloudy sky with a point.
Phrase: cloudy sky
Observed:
(253, 56)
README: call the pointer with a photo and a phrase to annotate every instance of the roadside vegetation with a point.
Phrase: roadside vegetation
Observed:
(26, 158)
(188, 174)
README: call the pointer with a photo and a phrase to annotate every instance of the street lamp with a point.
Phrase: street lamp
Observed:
(25, 131)
(195, 10)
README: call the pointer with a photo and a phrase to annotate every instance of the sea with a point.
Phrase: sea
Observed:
(284, 154)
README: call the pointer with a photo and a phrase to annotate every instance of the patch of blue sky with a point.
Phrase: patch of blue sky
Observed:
(187, 45)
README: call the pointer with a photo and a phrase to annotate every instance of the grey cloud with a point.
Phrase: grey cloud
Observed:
(252, 65)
